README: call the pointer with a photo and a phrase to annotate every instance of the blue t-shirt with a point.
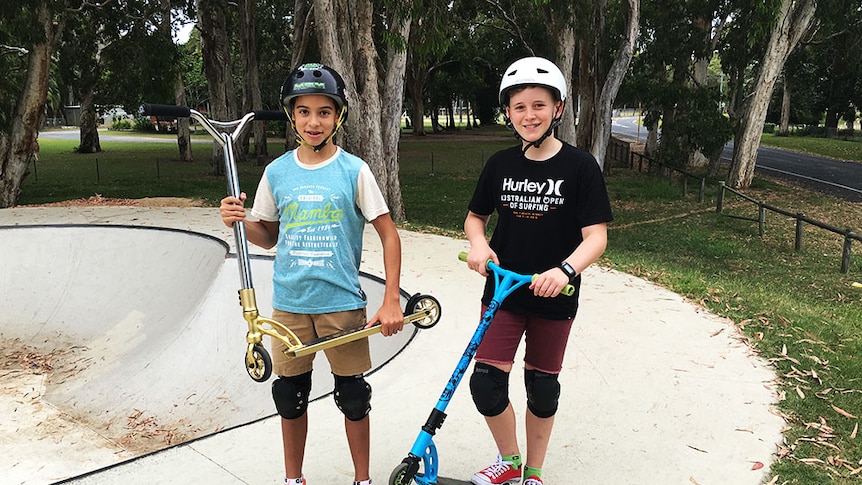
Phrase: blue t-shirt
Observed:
(320, 233)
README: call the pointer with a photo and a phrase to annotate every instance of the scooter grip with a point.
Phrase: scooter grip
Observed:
(166, 110)
(567, 290)
(270, 115)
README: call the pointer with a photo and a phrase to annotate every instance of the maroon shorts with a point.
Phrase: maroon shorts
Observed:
(545, 341)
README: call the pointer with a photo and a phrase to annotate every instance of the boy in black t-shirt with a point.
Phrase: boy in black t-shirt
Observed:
(553, 210)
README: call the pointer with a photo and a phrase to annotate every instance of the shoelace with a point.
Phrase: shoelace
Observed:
(497, 469)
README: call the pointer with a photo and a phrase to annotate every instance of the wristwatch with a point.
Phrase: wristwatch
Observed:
(570, 272)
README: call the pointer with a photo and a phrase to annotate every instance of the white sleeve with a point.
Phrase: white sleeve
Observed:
(369, 198)
(264, 207)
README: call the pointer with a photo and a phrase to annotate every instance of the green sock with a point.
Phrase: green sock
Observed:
(532, 472)
(515, 460)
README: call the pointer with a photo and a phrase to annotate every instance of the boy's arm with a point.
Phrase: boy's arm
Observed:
(259, 233)
(475, 227)
(390, 314)
(552, 281)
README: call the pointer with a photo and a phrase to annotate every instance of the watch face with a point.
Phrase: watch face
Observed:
(567, 268)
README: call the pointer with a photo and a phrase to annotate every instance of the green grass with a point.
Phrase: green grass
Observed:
(795, 308)
(828, 147)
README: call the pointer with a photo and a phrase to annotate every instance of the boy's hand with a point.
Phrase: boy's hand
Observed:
(550, 283)
(477, 258)
(390, 318)
(231, 209)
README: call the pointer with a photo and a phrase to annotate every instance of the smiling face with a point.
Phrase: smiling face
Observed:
(315, 116)
(531, 111)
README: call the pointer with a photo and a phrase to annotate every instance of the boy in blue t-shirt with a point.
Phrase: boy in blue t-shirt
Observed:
(312, 204)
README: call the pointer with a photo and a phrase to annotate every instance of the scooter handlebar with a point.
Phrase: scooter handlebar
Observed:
(567, 290)
(270, 115)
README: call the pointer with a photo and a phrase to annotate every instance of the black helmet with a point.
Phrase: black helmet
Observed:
(314, 79)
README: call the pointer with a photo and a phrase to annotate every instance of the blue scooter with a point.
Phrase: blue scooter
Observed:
(424, 451)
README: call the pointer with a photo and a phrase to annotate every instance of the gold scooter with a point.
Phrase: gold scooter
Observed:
(423, 311)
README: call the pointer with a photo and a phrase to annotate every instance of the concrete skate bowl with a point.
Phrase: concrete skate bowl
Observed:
(119, 341)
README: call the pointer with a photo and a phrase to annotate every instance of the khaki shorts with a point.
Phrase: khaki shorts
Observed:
(349, 359)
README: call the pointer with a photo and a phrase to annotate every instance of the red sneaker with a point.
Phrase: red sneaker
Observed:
(497, 473)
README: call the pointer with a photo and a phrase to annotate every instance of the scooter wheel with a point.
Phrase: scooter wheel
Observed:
(400, 475)
(258, 364)
(427, 304)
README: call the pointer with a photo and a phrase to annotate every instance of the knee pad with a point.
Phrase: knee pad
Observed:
(543, 392)
(352, 396)
(489, 387)
(291, 395)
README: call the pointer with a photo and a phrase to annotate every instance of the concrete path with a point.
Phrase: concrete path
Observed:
(655, 389)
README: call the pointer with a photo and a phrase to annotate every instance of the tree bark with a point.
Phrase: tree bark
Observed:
(612, 82)
(784, 125)
(20, 145)
(215, 50)
(88, 124)
(565, 39)
(251, 97)
(373, 128)
(794, 17)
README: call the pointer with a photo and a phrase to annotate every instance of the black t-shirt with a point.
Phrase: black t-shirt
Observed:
(542, 207)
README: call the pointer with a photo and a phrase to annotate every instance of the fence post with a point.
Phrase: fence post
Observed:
(845, 255)
(761, 218)
(720, 203)
(799, 222)
(702, 196)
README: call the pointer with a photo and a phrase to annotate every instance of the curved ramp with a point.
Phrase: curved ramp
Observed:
(132, 339)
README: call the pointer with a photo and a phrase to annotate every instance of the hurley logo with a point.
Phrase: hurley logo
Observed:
(550, 187)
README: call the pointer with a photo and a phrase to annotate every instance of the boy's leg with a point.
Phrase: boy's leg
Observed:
(294, 431)
(546, 342)
(351, 361)
(293, 436)
(359, 441)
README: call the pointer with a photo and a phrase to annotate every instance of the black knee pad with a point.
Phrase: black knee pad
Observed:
(489, 387)
(543, 392)
(352, 396)
(291, 395)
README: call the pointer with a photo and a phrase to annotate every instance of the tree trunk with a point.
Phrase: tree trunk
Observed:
(251, 97)
(565, 39)
(88, 123)
(215, 50)
(184, 140)
(784, 126)
(373, 128)
(793, 20)
(20, 146)
(184, 145)
(611, 85)
(586, 91)
(393, 86)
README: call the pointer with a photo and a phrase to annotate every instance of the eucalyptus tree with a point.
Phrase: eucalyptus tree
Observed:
(669, 80)
(365, 41)
(29, 33)
(761, 38)
(605, 53)
(432, 33)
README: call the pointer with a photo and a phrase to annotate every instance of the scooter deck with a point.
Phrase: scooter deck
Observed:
(345, 336)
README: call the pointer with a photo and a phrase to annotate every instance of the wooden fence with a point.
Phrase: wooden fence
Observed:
(619, 151)
(801, 220)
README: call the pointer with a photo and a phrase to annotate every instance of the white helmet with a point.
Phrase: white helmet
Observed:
(532, 71)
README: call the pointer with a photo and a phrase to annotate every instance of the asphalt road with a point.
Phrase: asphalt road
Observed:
(836, 177)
